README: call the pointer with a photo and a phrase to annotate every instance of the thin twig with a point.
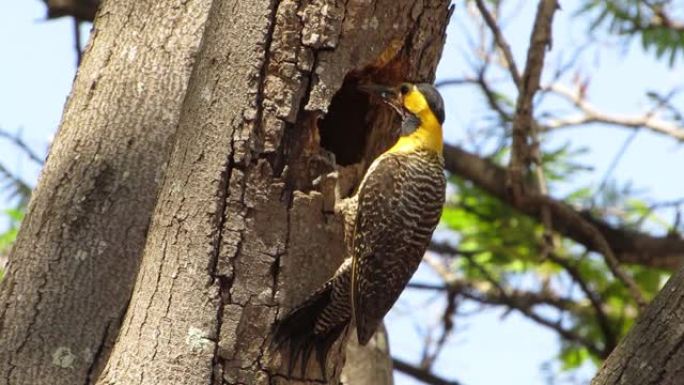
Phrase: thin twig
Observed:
(524, 305)
(526, 310)
(445, 248)
(560, 210)
(454, 82)
(17, 141)
(591, 114)
(616, 160)
(661, 20)
(500, 41)
(595, 299)
(673, 203)
(492, 99)
(484, 292)
(429, 357)
(421, 374)
(20, 187)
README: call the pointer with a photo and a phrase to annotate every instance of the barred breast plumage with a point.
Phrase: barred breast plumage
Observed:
(400, 203)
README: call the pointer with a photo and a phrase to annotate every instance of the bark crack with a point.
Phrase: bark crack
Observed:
(263, 71)
(34, 318)
(225, 286)
(96, 356)
(672, 354)
(154, 293)
(222, 197)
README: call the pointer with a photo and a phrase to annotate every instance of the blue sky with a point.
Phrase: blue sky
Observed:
(37, 70)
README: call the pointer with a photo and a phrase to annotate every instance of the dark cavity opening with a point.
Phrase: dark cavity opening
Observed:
(357, 128)
(344, 128)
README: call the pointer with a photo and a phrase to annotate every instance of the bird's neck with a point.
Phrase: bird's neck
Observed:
(427, 136)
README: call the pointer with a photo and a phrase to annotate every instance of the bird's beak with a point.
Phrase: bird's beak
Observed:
(389, 95)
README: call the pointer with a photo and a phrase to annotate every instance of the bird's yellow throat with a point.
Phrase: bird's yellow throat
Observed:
(428, 135)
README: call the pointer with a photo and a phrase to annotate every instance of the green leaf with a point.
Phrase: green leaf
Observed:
(16, 215)
(573, 357)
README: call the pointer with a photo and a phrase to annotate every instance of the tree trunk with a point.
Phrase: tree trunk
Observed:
(238, 229)
(370, 364)
(75, 260)
(653, 351)
(245, 223)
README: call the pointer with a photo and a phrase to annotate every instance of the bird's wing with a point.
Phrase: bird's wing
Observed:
(382, 260)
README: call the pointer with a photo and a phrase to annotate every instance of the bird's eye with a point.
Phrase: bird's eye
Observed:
(405, 88)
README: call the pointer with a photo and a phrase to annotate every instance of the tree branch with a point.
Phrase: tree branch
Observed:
(500, 296)
(660, 19)
(627, 245)
(17, 141)
(595, 299)
(483, 292)
(590, 114)
(544, 297)
(564, 213)
(524, 125)
(455, 82)
(500, 41)
(16, 184)
(529, 84)
(421, 374)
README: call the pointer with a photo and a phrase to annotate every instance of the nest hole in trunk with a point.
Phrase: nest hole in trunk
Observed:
(359, 127)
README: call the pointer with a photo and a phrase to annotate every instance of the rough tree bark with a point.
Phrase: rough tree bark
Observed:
(264, 97)
(75, 260)
(239, 229)
(652, 353)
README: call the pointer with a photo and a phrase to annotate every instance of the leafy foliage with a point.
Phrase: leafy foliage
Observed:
(504, 248)
(573, 291)
(648, 20)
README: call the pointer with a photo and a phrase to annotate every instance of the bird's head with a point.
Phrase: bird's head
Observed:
(417, 104)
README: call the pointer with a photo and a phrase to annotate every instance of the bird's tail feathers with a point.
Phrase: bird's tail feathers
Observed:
(295, 336)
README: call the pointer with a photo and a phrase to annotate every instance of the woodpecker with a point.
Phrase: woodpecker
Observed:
(399, 203)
